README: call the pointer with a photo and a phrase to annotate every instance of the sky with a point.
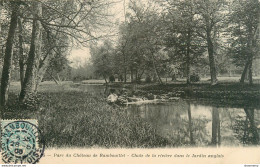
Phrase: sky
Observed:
(80, 56)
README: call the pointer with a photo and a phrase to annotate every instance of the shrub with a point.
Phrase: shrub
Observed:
(194, 78)
(148, 79)
(111, 78)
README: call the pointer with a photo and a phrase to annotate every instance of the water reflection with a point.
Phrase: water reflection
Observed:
(247, 127)
(185, 123)
(216, 138)
(190, 125)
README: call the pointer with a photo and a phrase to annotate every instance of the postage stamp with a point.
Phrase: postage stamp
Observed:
(130, 81)
(21, 142)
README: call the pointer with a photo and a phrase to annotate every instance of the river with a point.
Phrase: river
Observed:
(193, 122)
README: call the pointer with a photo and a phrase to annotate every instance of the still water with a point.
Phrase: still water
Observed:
(192, 122)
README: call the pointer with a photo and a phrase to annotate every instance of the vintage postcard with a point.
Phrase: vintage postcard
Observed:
(130, 81)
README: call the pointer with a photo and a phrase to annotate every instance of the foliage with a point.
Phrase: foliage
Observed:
(244, 19)
(184, 44)
(148, 79)
(102, 59)
(111, 78)
(194, 78)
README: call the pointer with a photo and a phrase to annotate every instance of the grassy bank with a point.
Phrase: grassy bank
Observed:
(224, 93)
(227, 94)
(235, 89)
(227, 89)
(70, 117)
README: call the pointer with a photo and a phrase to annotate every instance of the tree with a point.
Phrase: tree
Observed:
(57, 65)
(210, 16)
(21, 51)
(182, 41)
(244, 20)
(123, 49)
(29, 83)
(102, 58)
(132, 51)
(7, 67)
(145, 26)
(72, 20)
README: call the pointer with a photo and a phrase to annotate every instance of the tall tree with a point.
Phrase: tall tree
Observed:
(244, 20)
(146, 26)
(102, 58)
(21, 51)
(182, 41)
(210, 14)
(7, 67)
(75, 20)
(29, 82)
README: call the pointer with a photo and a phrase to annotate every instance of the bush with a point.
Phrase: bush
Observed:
(148, 79)
(138, 80)
(111, 78)
(120, 78)
(194, 78)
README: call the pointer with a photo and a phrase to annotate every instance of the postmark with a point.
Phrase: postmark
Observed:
(21, 142)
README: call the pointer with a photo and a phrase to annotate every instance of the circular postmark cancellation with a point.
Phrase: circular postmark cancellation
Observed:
(21, 142)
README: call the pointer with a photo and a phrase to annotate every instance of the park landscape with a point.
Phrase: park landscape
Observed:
(186, 72)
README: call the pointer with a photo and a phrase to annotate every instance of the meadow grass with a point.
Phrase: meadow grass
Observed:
(69, 117)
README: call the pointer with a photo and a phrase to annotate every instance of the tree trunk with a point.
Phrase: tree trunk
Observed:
(45, 62)
(132, 75)
(21, 54)
(213, 71)
(243, 76)
(29, 83)
(155, 70)
(42, 70)
(125, 70)
(1, 8)
(105, 79)
(125, 75)
(140, 75)
(7, 67)
(248, 66)
(55, 80)
(250, 73)
(247, 69)
(58, 76)
(188, 57)
(136, 75)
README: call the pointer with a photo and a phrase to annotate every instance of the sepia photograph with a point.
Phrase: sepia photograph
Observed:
(129, 74)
